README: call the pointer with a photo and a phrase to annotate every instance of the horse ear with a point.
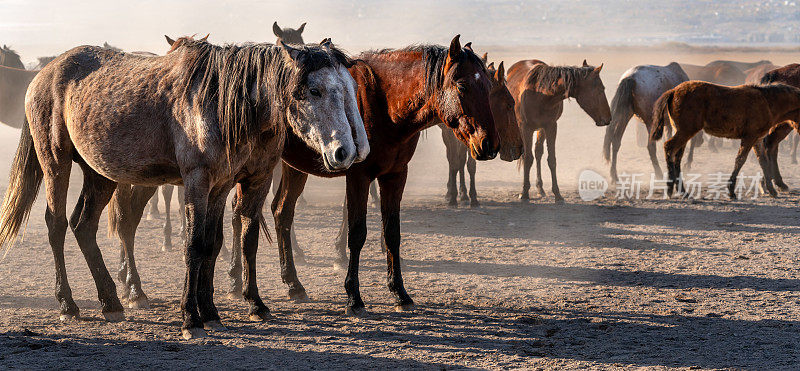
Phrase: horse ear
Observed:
(291, 52)
(326, 42)
(455, 47)
(490, 66)
(598, 69)
(301, 28)
(485, 57)
(500, 74)
(585, 64)
(468, 46)
(169, 40)
(277, 30)
(205, 38)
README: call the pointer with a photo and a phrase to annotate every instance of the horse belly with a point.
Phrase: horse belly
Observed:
(126, 152)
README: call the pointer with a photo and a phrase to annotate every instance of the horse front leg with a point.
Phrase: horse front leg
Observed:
(392, 186)
(539, 151)
(235, 291)
(451, 150)
(473, 193)
(213, 240)
(527, 162)
(251, 197)
(357, 191)
(766, 167)
(283, 208)
(196, 191)
(340, 246)
(153, 212)
(771, 143)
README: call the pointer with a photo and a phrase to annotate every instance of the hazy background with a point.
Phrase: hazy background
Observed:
(46, 27)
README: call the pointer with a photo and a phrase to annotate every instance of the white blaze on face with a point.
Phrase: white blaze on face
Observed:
(477, 76)
(353, 115)
(324, 118)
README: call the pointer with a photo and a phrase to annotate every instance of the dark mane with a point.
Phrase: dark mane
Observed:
(774, 88)
(224, 78)
(546, 79)
(10, 58)
(434, 57)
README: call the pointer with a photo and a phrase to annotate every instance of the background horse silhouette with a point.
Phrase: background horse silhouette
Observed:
(746, 112)
(539, 91)
(638, 90)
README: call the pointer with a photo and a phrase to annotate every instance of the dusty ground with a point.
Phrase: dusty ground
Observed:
(602, 284)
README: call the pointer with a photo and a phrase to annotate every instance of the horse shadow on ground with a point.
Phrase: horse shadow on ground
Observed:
(521, 336)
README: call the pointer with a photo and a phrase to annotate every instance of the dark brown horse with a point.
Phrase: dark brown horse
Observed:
(789, 75)
(224, 102)
(745, 112)
(401, 92)
(10, 58)
(502, 104)
(539, 91)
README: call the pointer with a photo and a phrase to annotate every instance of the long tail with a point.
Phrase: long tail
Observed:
(621, 112)
(23, 187)
(661, 114)
(113, 212)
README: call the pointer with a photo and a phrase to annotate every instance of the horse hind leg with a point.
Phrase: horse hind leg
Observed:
(131, 202)
(97, 191)
(283, 208)
(741, 157)
(763, 161)
(152, 212)
(673, 150)
(538, 152)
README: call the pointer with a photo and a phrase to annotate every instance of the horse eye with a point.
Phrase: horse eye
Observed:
(315, 92)
(461, 87)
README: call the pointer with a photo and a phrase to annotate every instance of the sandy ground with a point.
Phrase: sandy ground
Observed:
(603, 284)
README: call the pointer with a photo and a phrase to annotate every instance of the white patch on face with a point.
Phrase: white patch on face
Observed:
(477, 76)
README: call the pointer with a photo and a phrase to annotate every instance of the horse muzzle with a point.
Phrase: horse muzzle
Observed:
(510, 153)
(484, 151)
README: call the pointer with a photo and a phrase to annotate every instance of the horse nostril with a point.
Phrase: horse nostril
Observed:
(340, 154)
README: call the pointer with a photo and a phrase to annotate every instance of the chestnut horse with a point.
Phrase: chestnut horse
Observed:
(223, 102)
(502, 104)
(745, 112)
(401, 92)
(539, 91)
(638, 90)
(789, 75)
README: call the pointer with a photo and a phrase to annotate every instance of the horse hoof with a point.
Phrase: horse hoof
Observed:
(559, 201)
(355, 312)
(193, 333)
(299, 296)
(452, 204)
(339, 266)
(114, 316)
(67, 317)
(259, 317)
(166, 248)
(524, 197)
(214, 325)
(474, 204)
(140, 303)
(235, 295)
(300, 260)
(400, 308)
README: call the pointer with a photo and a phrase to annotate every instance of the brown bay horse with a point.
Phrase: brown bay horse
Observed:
(511, 147)
(225, 101)
(401, 92)
(745, 112)
(789, 75)
(539, 91)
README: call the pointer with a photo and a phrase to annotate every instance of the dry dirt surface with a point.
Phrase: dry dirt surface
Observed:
(609, 283)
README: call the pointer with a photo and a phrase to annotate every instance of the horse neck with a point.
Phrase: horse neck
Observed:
(401, 83)
(782, 102)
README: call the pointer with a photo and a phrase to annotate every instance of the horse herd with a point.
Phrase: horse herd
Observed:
(215, 118)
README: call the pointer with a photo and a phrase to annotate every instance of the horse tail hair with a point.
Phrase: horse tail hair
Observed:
(113, 212)
(23, 187)
(661, 114)
(263, 223)
(621, 111)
